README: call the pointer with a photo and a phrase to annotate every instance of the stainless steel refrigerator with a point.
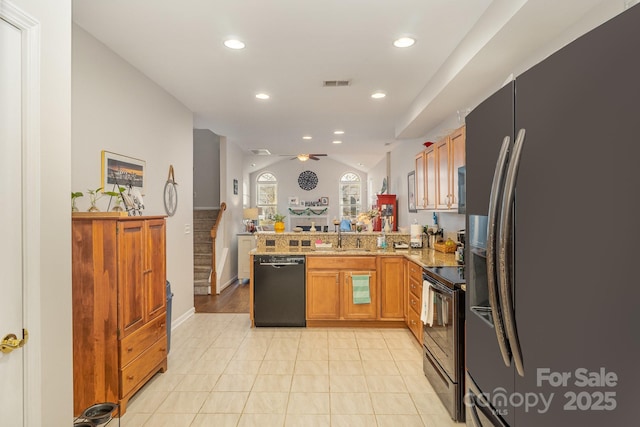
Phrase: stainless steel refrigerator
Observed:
(552, 256)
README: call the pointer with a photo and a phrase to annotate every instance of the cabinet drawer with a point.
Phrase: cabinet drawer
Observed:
(131, 375)
(415, 325)
(415, 288)
(135, 344)
(342, 263)
(415, 272)
(415, 304)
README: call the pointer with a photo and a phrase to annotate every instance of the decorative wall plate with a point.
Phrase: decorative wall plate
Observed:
(170, 194)
(308, 180)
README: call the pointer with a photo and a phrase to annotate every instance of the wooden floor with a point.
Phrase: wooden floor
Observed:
(233, 299)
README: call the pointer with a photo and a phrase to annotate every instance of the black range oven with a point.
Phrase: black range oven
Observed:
(443, 336)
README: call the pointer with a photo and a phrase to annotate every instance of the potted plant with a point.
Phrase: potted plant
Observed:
(74, 196)
(94, 196)
(278, 224)
(118, 195)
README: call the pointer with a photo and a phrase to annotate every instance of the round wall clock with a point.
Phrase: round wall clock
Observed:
(171, 194)
(307, 180)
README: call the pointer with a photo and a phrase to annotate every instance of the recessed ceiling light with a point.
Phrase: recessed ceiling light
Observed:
(378, 95)
(404, 42)
(306, 137)
(337, 142)
(262, 96)
(234, 44)
(338, 132)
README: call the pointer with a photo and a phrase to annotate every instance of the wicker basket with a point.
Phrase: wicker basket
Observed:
(442, 247)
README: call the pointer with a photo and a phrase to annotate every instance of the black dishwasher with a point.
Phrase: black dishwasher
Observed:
(279, 290)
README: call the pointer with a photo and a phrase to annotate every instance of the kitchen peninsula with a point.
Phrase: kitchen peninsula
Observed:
(336, 262)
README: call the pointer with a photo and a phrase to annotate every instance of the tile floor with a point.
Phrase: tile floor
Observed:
(223, 373)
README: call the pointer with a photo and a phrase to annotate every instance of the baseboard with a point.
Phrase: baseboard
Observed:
(180, 320)
(233, 280)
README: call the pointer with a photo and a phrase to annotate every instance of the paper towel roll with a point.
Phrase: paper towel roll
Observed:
(416, 235)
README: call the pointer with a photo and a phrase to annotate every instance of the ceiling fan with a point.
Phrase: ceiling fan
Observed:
(305, 157)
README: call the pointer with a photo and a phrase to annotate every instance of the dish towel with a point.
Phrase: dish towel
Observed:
(426, 315)
(361, 294)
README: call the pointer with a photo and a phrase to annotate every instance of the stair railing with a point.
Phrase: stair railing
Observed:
(214, 233)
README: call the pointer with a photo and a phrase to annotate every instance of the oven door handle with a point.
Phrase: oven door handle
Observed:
(505, 243)
(492, 233)
(438, 287)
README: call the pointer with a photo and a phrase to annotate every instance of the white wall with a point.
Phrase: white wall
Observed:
(231, 163)
(376, 176)
(328, 171)
(118, 109)
(54, 333)
(206, 169)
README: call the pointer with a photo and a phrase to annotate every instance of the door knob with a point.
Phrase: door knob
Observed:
(11, 342)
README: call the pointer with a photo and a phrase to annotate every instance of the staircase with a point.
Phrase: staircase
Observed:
(203, 221)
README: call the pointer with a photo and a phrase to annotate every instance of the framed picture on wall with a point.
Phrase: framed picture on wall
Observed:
(411, 193)
(122, 171)
(324, 201)
(293, 201)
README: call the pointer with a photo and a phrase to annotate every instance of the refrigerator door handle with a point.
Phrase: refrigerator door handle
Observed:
(474, 415)
(492, 279)
(504, 260)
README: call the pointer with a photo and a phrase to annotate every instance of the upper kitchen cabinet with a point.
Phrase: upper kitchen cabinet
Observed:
(426, 179)
(449, 157)
(437, 172)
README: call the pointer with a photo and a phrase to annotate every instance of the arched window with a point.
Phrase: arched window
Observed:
(350, 193)
(267, 195)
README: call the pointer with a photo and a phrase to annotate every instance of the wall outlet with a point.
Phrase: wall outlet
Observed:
(187, 228)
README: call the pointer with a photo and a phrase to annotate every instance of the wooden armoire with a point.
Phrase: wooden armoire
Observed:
(119, 306)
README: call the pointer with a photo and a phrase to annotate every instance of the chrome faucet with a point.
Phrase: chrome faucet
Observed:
(358, 243)
(339, 237)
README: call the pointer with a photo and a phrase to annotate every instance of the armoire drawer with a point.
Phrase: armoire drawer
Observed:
(133, 345)
(137, 370)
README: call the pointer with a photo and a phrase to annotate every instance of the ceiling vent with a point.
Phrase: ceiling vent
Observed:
(261, 152)
(336, 83)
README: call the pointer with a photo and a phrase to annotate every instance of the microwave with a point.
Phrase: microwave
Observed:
(462, 190)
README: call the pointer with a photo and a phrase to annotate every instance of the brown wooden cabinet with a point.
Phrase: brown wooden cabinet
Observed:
(323, 295)
(392, 284)
(330, 288)
(414, 299)
(119, 306)
(449, 157)
(437, 172)
(353, 311)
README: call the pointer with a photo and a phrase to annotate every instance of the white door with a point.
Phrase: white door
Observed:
(11, 233)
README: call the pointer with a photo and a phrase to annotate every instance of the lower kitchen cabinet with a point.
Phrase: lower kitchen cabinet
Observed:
(414, 299)
(330, 288)
(392, 285)
(119, 306)
(323, 295)
(351, 310)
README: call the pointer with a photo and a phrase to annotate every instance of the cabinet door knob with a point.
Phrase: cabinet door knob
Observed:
(130, 349)
(130, 377)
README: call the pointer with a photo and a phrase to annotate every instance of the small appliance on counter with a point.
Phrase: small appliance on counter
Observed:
(416, 235)
(433, 233)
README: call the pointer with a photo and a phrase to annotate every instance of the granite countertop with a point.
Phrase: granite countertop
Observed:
(426, 257)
